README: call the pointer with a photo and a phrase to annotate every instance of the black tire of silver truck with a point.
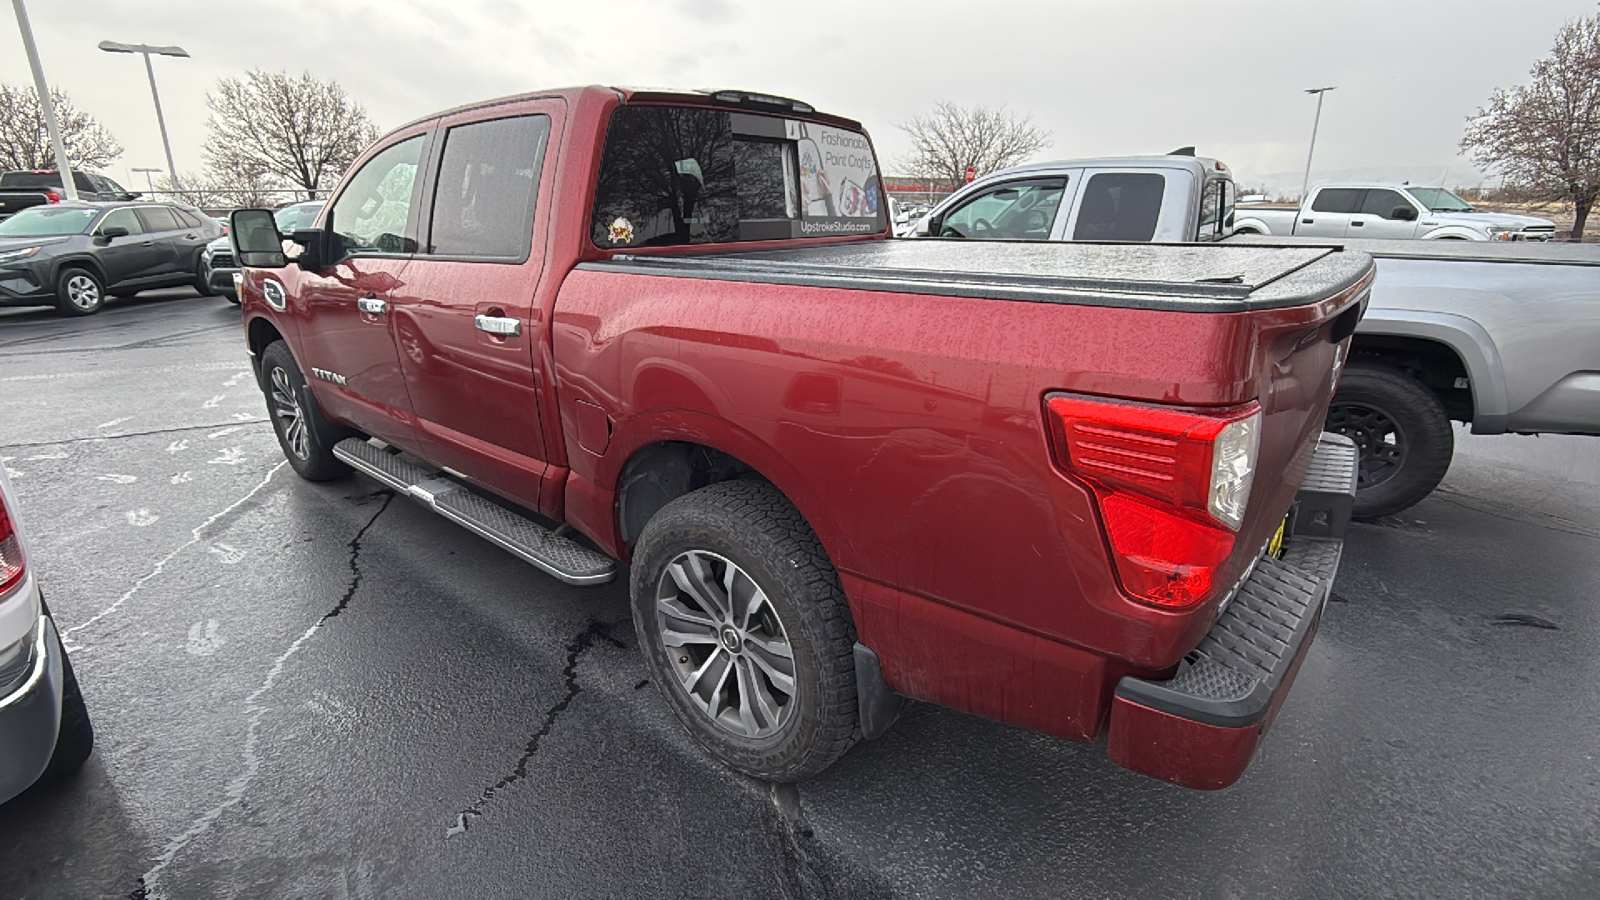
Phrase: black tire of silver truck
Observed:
(746, 631)
(1401, 431)
(306, 436)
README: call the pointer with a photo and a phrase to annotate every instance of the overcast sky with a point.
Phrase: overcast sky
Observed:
(1103, 77)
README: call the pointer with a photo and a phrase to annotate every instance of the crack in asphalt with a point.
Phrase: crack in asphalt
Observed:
(576, 648)
(355, 558)
(806, 875)
(149, 886)
(132, 434)
(196, 535)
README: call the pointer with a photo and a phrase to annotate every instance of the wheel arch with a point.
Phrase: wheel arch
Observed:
(79, 262)
(659, 456)
(1436, 349)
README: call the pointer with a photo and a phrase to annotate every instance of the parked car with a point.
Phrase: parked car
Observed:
(44, 725)
(1134, 198)
(75, 256)
(1048, 484)
(1390, 212)
(217, 261)
(25, 188)
(1501, 336)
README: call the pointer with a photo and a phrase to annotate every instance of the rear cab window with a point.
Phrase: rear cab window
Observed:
(676, 175)
(1337, 200)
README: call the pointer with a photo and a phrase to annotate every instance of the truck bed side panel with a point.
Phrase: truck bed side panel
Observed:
(909, 428)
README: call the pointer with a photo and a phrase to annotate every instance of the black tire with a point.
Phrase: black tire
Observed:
(202, 279)
(232, 296)
(288, 398)
(79, 292)
(1402, 432)
(751, 524)
(75, 741)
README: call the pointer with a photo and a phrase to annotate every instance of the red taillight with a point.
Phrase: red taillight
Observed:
(11, 564)
(52, 196)
(1171, 483)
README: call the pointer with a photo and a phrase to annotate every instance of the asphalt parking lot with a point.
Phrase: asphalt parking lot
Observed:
(324, 691)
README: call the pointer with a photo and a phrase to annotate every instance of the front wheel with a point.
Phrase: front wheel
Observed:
(1401, 432)
(746, 630)
(307, 438)
(79, 292)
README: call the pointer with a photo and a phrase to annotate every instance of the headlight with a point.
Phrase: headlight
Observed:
(14, 255)
(1499, 229)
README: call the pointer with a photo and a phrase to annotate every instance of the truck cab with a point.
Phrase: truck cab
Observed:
(1164, 199)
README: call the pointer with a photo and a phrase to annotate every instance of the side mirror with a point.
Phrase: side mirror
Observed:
(256, 240)
(928, 227)
(316, 246)
(1404, 214)
(115, 231)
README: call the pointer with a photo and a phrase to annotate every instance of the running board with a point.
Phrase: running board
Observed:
(560, 556)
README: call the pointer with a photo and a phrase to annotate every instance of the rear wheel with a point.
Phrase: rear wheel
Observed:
(1401, 432)
(746, 630)
(79, 292)
(307, 438)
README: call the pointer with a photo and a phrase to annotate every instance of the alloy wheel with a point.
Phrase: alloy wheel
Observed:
(726, 645)
(1379, 439)
(291, 419)
(83, 292)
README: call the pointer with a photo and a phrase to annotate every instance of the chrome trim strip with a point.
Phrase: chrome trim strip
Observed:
(41, 661)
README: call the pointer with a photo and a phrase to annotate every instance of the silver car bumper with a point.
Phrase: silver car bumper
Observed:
(30, 710)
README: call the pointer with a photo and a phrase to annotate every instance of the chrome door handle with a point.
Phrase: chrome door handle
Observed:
(503, 326)
(372, 305)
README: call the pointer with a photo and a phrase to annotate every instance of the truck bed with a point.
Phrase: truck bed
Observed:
(1171, 277)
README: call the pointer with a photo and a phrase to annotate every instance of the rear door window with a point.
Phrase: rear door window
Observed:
(158, 218)
(1337, 200)
(483, 203)
(1120, 206)
(683, 175)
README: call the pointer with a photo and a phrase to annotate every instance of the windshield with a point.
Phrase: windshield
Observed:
(295, 218)
(1439, 200)
(47, 222)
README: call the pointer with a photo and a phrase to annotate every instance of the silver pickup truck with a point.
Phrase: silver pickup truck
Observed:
(1504, 335)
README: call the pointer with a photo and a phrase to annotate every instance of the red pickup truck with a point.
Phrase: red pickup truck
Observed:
(1082, 489)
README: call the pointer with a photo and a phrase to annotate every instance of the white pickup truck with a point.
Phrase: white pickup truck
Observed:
(1389, 212)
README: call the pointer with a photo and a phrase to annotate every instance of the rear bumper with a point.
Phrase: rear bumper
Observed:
(30, 713)
(1201, 727)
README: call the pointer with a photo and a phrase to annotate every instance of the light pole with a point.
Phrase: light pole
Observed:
(147, 182)
(145, 50)
(46, 102)
(1305, 184)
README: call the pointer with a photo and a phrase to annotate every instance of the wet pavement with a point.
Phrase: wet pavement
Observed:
(323, 691)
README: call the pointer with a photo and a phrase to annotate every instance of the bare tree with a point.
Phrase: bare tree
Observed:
(951, 138)
(1544, 136)
(24, 144)
(271, 125)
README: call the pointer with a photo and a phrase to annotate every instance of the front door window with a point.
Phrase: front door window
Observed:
(1014, 211)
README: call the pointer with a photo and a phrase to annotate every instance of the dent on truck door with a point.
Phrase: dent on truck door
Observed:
(466, 321)
(347, 343)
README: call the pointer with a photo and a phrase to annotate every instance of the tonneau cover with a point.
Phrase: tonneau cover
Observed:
(1185, 277)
